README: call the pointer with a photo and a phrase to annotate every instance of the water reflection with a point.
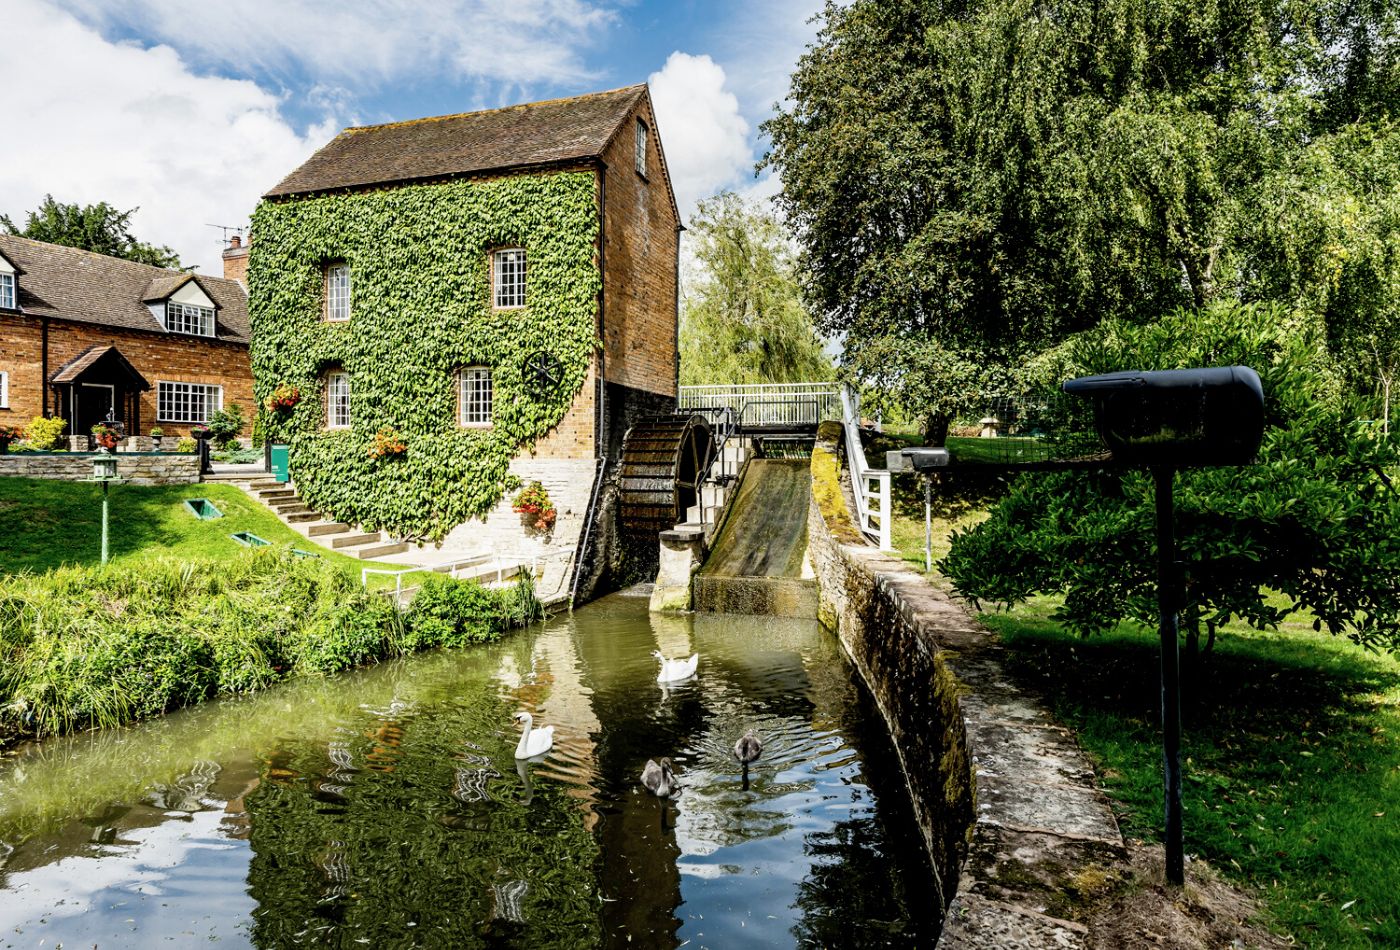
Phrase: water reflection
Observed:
(386, 807)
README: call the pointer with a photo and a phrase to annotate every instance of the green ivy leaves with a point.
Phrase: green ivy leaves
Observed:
(420, 275)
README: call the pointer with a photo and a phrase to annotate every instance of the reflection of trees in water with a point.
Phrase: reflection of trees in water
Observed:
(187, 792)
(441, 850)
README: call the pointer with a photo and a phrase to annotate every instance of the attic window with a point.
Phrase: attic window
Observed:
(640, 148)
(189, 318)
(338, 292)
(508, 268)
(7, 292)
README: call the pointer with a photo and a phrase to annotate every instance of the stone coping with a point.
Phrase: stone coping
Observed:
(1016, 829)
(120, 453)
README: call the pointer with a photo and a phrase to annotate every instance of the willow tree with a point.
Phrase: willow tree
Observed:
(994, 175)
(742, 318)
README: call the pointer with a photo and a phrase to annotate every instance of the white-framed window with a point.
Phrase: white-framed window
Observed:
(7, 292)
(4, 390)
(639, 150)
(189, 318)
(475, 397)
(338, 400)
(338, 292)
(508, 267)
(187, 402)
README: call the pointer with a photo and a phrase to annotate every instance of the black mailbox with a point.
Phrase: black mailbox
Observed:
(1178, 417)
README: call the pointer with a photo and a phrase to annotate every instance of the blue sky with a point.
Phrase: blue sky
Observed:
(191, 109)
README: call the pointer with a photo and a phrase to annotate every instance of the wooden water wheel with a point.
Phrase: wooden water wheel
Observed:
(664, 460)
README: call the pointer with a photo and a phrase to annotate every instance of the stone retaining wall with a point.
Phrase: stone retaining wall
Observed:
(1003, 795)
(139, 468)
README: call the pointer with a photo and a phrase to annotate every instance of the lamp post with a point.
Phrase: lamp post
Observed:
(104, 470)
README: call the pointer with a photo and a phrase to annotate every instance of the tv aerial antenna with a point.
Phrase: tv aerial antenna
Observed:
(228, 229)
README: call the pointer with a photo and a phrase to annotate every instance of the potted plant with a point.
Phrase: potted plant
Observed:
(106, 437)
(283, 398)
(387, 443)
(157, 433)
(199, 432)
(533, 502)
(7, 435)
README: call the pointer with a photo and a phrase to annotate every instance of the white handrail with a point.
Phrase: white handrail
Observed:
(760, 404)
(874, 521)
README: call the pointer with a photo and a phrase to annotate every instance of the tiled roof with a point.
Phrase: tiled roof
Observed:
(163, 286)
(65, 283)
(70, 371)
(536, 133)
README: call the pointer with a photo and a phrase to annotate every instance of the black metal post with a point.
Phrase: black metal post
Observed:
(1167, 605)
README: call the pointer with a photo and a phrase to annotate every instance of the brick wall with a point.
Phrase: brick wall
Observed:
(641, 245)
(573, 437)
(162, 468)
(156, 356)
(236, 261)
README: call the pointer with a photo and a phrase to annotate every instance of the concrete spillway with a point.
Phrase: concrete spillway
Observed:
(758, 563)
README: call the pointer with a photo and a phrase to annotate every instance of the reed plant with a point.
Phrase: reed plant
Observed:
(100, 646)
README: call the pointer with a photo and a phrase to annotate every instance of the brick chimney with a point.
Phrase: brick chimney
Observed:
(236, 260)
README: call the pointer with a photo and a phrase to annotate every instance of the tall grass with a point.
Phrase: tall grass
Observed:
(99, 646)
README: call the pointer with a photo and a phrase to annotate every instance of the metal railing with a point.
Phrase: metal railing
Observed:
(503, 563)
(871, 486)
(766, 404)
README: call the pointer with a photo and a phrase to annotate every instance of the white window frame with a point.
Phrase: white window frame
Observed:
(4, 389)
(9, 292)
(338, 293)
(474, 397)
(639, 147)
(180, 317)
(185, 406)
(508, 269)
(337, 402)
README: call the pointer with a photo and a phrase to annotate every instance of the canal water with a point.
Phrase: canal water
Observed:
(384, 808)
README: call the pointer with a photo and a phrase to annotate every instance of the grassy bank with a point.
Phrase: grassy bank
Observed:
(99, 646)
(48, 524)
(1291, 748)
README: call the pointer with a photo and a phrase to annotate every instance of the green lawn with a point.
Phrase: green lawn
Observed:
(1292, 757)
(46, 523)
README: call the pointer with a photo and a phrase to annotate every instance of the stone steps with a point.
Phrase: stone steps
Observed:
(320, 529)
(352, 539)
(372, 551)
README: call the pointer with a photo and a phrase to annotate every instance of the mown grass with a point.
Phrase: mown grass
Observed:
(1291, 751)
(46, 524)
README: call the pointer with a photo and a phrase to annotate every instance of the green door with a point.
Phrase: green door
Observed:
(279, 463)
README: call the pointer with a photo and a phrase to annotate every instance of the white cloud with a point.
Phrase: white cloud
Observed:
(705, 137)
(363, 43)
(89, 120)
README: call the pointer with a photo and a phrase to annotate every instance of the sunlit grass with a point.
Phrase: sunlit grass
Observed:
(1291, 748)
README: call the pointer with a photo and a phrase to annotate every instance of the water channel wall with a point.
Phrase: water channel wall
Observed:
(137, 468)
(1016, 831)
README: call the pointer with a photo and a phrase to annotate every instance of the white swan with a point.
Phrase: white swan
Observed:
(533, 743)
(673, 671)
(658, 778)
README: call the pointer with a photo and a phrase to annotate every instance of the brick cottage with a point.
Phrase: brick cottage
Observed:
(84, 336)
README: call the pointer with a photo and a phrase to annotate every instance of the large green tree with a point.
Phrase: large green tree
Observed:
(742, 318)
(993, 175)
(97, 227)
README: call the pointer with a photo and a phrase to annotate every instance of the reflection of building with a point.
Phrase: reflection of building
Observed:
(84, 335)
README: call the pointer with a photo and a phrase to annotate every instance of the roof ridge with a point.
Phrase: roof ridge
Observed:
(518, 105)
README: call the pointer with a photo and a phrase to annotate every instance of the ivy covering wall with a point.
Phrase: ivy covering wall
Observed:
(419, 259)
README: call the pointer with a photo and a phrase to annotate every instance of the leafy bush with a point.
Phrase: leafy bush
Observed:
(186, 444)
(44, 434)
(452, 613)
(1317, 519)
(226, 424)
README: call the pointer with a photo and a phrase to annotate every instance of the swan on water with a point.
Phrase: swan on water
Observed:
(748, 748)
(533, 742)
(673, 671)
(659, 779)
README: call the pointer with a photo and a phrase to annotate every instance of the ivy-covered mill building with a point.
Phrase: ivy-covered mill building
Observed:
(495, 293)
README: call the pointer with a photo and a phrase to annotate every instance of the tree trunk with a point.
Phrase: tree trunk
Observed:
(936, 428)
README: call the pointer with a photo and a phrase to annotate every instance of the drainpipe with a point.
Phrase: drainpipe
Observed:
(680, 228)
(44, 360)
(600, 450)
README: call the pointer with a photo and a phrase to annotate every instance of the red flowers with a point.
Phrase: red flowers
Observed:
(534, 500)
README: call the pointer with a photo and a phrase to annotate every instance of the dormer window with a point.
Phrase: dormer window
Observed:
(508, 266)
(7, 292)
(640, 150)
(189, 318)
(338, 292)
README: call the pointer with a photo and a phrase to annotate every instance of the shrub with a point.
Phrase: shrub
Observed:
(44, 434)
(451, 613)
(226, 424)
(186, 444)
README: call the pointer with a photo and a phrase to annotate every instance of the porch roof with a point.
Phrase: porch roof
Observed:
(87, 363)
